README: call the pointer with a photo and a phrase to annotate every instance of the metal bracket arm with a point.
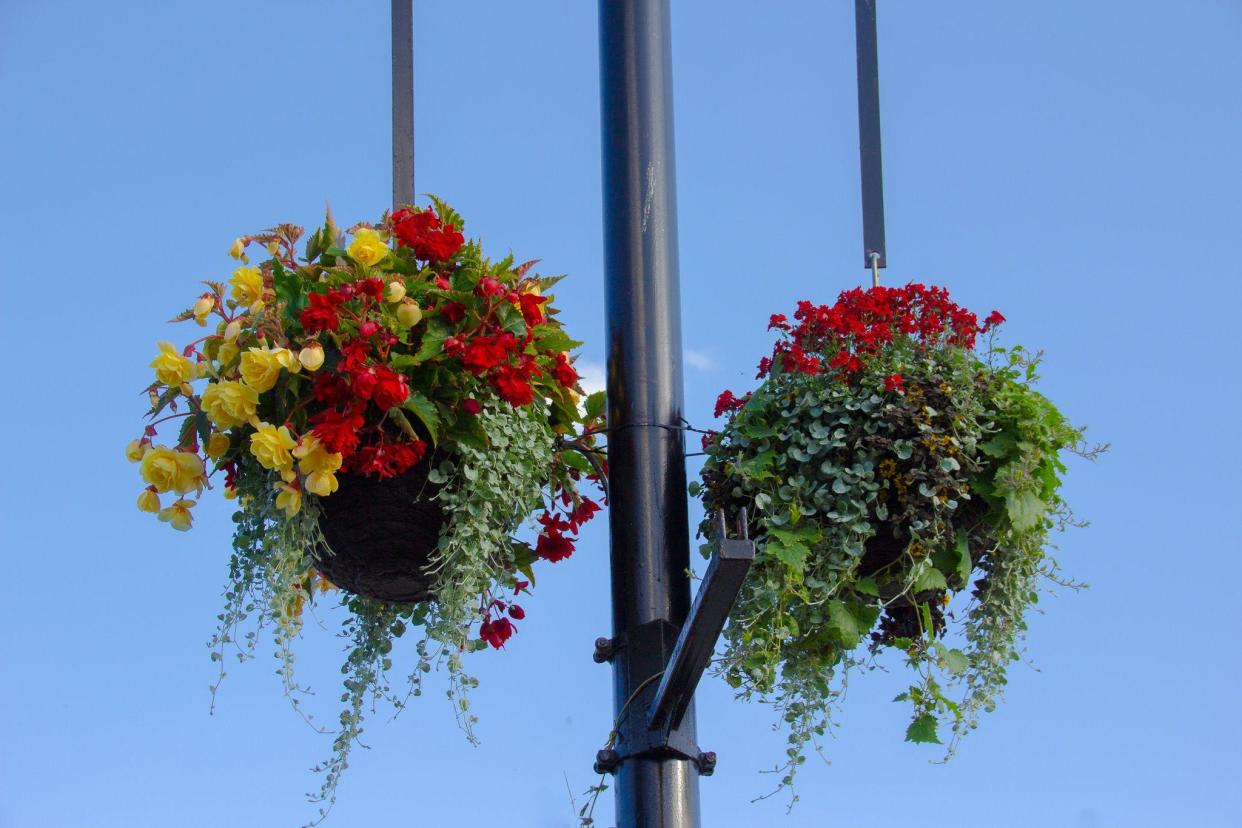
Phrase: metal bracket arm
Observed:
(731, 560)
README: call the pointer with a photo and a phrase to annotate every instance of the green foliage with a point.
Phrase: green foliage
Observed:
(871, 509)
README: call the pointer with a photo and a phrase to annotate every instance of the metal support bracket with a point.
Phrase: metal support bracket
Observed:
(731, 560)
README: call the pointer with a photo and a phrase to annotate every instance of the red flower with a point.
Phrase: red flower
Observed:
(727, 402)
(893, 383)
(517, 612)
(531, 312)
(483, 354)
(564, 372)
(453, 311)
(553, 546)
(496, 632)
(338, 431)
(373, 287)
(386, 459)
(512, 383)
(584, 512)
(994, 318)
(422, 231)
(488, 286)
(331, 389)
(391, 389)
(369, 328)
(321, 314)
(471, 406)
(362, 382)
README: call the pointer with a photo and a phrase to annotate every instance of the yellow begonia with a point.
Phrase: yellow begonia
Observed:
(229, 404)
(173, 471)
(287, 359)
(247, 285)
(171, 368)
(289, 500)
(238, 250)
(259, 369)
(135, 450)
(178, 515)
(226, 353)
(395, 292)
(367, 247)
(217, 445)
(319, 465)
(202, 308)
(232, 330)
(148, 501)
(311, 357)
(272, 447)
(409, 313)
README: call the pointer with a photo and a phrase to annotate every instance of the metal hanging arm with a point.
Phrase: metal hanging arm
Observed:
(402, 103)
(870, 160)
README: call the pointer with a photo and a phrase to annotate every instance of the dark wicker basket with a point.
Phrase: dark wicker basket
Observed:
(382, 534)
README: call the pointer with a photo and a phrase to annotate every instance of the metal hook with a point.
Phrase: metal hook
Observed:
(875, 269)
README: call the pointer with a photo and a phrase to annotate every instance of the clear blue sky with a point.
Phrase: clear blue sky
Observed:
(1075, 165)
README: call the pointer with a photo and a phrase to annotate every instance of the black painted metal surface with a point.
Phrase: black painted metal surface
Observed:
(649, 530)
(402, 103)
(731, 560)
(870, 159)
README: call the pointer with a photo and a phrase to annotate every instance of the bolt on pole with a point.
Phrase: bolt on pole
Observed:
(656, 787)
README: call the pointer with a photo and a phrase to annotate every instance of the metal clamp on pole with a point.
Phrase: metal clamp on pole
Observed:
(731, 560)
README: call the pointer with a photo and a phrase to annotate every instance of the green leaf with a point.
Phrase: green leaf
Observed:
(288, 287)
(553, 339)
(425, 410)
(957, 662)
(595, 404)
(757, 467)
(923, 730)
(1025, 509)
(1001, 445)
(954, 560)
(468, 431)
(843, 624)
(930, 578)
(867, 586)
(437, 331)
(511, 319)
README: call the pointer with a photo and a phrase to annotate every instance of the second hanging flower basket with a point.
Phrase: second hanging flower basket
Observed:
(887, 466)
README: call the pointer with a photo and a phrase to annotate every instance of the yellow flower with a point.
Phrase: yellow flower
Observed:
(287, 360)
(271, 446)
(229, 493)
(290, 499)
(171, 368)
(367, 247)
(319, 465)
(203, 307)
(324, 585)
(148, 501)
(135, 450)
(226, 353)
(395, 292)
(217, 445)
(247, 285)
(238, 250)
(260, 369)
(173, 471)
(409, 313)
(232, 330)
(178, 515)
(311, 357)
(229, 404)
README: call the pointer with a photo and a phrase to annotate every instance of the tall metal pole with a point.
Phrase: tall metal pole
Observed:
(871, 163)
(649, 532)
(402, 103)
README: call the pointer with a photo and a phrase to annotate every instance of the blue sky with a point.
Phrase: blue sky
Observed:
(1074, 165)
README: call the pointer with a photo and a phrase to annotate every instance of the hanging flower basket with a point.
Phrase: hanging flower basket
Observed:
(887, 467)
(387, 406)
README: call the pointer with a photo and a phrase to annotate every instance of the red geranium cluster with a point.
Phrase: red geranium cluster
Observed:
(864, 322)
(422, 232)
(843, 337)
